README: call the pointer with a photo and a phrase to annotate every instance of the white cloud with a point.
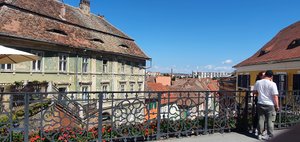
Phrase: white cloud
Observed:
(155, 67)
(229, 61)
(209, 67)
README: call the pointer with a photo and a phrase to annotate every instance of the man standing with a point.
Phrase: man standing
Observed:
(267, 103)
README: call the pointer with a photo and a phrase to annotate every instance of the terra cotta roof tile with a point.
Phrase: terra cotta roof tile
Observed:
(32, 20)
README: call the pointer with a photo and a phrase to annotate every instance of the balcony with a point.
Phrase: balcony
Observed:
(133, 116)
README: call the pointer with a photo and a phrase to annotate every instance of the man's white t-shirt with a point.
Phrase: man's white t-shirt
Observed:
(266, 90)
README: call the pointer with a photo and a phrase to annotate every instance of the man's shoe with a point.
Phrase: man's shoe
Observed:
(260, 137)
(267, 137)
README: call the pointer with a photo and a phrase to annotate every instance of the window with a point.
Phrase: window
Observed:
(131, 87)
(131, 68)
(122, 90)
(105, 89)
(244, 81)
(296, 87)
(296, 82)
(37, 64)
(294, 43)
(6, 66)
(263, 52)
(85, 94)
(122, 67)
(122, 87)
(84, 64)
(152, 105)
(62, 63)
(61, 95)
(140, 86)
(57, 31)
(97, 40)
(124, 46)
(281, 82)
(62, 89)
(105, 66)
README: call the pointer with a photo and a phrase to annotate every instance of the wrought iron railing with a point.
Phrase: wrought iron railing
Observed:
(135, 116)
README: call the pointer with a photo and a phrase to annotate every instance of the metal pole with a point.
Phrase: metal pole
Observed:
(206, 112)
(214, 112)
(245, 119)
(158, 116)
(10, 117)
(100, 117)
(76, 78)
(26, 120)
(280, 106)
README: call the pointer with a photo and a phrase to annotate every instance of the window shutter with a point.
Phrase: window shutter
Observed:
(296, 82)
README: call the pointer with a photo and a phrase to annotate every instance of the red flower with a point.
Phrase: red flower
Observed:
(60, 138)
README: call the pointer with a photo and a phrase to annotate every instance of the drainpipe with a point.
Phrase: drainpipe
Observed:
(76, 69)
(145, 84)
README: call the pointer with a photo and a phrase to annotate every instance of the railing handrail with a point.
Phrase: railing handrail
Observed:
(129, 116)
(117, 92)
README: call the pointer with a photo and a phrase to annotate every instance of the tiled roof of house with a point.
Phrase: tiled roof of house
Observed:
(188, 84)
(166, 97)
(284, 46)
(151, 86)
(213, 85)
(37, 19)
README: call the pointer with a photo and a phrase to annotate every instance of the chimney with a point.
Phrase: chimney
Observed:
(85, 6)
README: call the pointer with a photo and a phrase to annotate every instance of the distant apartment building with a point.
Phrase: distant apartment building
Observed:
(210, 74)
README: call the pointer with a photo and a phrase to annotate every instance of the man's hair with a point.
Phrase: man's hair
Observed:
(260, 75)
(269, 73)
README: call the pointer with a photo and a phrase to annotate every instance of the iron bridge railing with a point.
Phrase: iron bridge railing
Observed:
(133, 116)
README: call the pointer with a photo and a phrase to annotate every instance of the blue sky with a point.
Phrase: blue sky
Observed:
(198, 35)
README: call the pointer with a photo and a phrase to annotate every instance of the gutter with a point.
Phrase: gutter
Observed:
(270, 62)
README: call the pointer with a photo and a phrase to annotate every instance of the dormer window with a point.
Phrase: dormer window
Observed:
(263, 52)
(124, 46)
(57, 31)
(294, 43)
(97, 40)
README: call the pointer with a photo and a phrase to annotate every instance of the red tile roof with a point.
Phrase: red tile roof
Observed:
(188, 84)
(156, 87)
(166, 97)
(276, 49)
(32, 20)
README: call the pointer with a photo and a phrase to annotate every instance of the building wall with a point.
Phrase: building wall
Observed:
(288, 72)
(93, 78)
